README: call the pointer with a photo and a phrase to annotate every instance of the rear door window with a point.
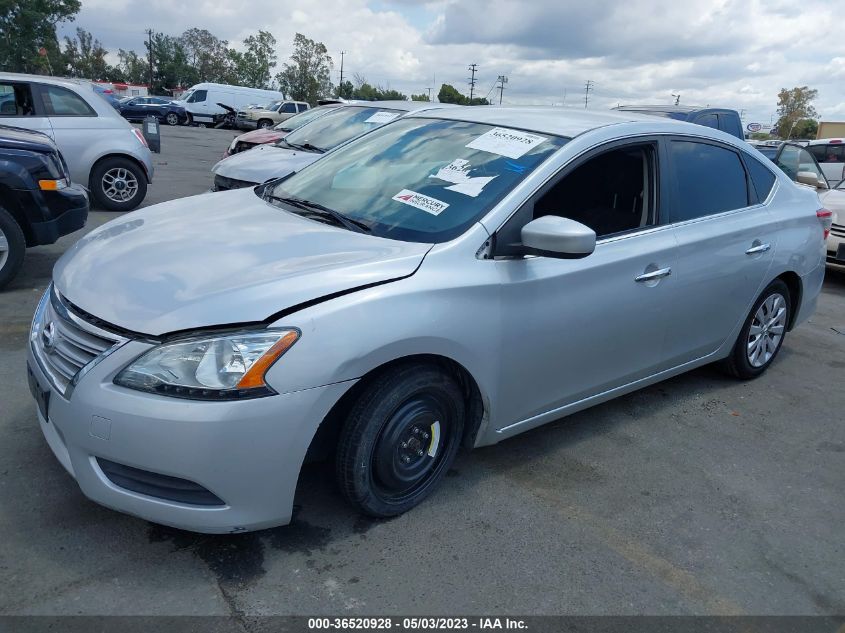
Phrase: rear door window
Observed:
(709, 179)
(60, 101)
(302, 107)
(288, 108)
(710, 120)
(829, 153)
(16, 100)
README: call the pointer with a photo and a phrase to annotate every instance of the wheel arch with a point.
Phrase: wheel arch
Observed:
(10, 202)
(325, 437)
(110, 155)
(796, 291)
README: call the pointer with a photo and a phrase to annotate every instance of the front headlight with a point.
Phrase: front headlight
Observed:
(224, 367)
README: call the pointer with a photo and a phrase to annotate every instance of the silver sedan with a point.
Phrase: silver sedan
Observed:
(451, 279)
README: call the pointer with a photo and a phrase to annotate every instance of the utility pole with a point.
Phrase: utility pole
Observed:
(473, 68)
(502, 81)
(677, 99)
(150, 45)
(590, 85)
(429, 93)
(342, 53)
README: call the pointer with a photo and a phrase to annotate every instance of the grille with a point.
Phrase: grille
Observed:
(156, 485)
(838, 230)
(221, 183)
(64, 343)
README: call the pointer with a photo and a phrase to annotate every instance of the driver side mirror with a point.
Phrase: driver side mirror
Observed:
(811, 179)
(562, 238)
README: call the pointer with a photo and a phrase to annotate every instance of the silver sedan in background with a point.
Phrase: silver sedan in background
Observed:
(451, 279)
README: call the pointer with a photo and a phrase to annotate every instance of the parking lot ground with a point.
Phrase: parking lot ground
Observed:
(700, 495)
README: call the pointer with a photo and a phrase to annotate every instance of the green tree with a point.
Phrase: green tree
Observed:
(345, 90)
(420, 97)
(794, 105)
(449, 94)
(805, 128)
(170, 64)
(26, 27)
(252, 67)
(131, 68)
(84, 56)
(208, 55)
(307, 77)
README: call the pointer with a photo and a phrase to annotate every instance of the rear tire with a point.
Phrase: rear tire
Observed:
(762, 334)
(118, 184)
(264, 124)
(12, 247)
(399, 439)
(172, 118)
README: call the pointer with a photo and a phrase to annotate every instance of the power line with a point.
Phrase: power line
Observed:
(502, 81)
(587, 87)
(473, 68)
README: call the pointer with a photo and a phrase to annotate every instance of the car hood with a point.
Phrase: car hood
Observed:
(219, 259)
(262, 136)
(264, 163)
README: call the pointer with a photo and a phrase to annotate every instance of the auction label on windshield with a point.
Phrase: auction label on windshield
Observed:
(506, 142)
(418, 200)
(382, 117)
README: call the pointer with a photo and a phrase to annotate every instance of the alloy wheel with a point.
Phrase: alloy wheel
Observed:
(766, 331)
(119, 184)
(172, 119)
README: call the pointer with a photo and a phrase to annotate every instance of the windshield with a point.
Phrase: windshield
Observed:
(273, 105)
(338, 127)
(421, 180)
(298, 120)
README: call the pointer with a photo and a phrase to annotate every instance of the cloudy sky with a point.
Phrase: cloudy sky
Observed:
(732, 53)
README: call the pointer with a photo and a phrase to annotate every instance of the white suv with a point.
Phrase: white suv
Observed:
(830, 152)
(103, 151)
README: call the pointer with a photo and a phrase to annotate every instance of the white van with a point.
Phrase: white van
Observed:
(830, 152)
(201, 100)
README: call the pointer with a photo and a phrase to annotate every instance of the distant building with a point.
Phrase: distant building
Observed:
(831, 129)
(125, 90)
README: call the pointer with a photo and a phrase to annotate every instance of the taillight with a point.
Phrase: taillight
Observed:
(826, 218)
(139, 136)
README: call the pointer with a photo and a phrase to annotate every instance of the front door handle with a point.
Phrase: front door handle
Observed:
(654, 274)
(758, 248)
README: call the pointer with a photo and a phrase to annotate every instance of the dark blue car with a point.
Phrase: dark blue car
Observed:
(717, 118)
(139, 108)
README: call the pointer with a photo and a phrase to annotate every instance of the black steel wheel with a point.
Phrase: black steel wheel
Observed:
(399, 439)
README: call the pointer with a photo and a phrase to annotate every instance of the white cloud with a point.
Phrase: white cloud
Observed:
(734, 53)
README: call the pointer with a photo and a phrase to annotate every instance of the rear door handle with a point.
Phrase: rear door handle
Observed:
(654, 274)
(759, 248)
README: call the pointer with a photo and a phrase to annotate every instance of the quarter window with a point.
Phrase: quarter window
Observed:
(828, 153)
(16, 100)
(709, 179)
(301, 107)
(761, 176)
(60, 101)
(611, 193)
(710, 120)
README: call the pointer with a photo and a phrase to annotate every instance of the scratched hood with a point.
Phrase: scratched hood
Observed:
(260, 136)
(219, 258)
(264, 163)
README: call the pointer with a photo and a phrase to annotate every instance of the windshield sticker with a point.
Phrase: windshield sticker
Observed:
(382, 117)
(418, 200)
(505, 142)
(457, 172)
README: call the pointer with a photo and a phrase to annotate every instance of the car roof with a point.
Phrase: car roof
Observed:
(67, 82)
(407, 106)
(665, 108)
(568, 122)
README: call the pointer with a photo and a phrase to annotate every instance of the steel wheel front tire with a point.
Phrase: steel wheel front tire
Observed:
(400, 437)
(762, 334)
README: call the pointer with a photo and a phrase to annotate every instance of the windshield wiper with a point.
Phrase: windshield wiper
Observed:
(306, 147)
(315, 208)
